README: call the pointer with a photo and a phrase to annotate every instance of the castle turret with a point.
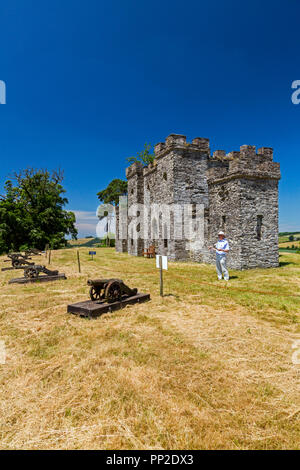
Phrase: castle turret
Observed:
(134, 175)
(243, 201)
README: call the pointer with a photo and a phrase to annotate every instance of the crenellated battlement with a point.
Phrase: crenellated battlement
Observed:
(150, 168)
(245, 162)
(178, 141)
(135, 169)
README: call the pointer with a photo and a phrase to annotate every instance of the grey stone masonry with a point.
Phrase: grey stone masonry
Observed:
(237, 192)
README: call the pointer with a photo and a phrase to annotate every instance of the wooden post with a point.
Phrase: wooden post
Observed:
(78, 261)
(46, 250)
(161, 283)
(49, 259)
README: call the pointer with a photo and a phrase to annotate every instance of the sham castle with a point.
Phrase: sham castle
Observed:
(237, 193)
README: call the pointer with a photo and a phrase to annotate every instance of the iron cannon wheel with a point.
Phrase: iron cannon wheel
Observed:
(31, 273)
(113, 291)
(16, 263)
(95, 294)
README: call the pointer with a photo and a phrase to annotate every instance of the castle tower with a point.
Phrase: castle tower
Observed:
(175, 179)
(243, 201)
(134, 175)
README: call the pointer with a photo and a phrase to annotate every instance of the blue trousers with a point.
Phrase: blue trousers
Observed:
(221, 267)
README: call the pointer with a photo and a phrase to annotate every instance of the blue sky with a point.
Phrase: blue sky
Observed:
(89, 82)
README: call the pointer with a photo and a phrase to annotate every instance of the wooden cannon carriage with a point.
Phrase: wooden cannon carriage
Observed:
(109, 290)
(106, 295)
(32, 272)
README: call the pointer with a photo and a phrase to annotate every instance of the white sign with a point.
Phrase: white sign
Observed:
(164, 261)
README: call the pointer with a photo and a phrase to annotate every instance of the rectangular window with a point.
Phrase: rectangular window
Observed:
(259, 226)
(224, 222)
(194, 212)
(165, 243)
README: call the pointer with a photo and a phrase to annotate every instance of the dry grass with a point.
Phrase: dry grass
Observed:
(296, 243)
(204, 367)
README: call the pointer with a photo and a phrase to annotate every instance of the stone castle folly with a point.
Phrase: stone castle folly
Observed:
(238, 192)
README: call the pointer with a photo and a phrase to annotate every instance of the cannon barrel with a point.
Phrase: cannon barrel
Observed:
(100, 282)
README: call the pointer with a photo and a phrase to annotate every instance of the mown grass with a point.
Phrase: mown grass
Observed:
(208, 366)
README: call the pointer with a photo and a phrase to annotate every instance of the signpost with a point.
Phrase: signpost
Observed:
(161, 263)
(92, 253)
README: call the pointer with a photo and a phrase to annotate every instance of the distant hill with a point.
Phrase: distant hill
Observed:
(84, 242)
(285, 244)
(284, 237)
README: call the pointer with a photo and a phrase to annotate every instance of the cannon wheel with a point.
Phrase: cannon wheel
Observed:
(95, 294)
(16, 263)
(31, 273)
(113, 292)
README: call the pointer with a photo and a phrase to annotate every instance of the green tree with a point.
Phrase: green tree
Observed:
(111, 194)
(291, 238)
(144, 156)
(32, 214)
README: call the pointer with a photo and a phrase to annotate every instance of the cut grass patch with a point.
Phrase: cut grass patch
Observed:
(205, 367)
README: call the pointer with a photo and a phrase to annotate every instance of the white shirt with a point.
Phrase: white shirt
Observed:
(223, 244)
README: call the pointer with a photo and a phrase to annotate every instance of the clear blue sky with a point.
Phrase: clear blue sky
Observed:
(89, 82)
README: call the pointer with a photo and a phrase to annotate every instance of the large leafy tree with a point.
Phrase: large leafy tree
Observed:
(32, 212)
(111, 194)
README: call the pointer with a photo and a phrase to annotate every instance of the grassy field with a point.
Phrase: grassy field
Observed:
(285, 237)
(208, 366)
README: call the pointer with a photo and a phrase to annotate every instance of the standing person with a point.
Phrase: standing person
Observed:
(222, 248)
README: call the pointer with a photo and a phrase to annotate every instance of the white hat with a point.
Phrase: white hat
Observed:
(221, 233)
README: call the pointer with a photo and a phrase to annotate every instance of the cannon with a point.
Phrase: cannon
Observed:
(33, 251)
(18, 260)
(106, 295)
(109, 290)
(32, 272)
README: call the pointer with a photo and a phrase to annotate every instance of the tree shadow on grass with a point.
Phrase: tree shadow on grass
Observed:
(285, 263)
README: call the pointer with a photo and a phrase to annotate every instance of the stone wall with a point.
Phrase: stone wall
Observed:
(239, 193)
